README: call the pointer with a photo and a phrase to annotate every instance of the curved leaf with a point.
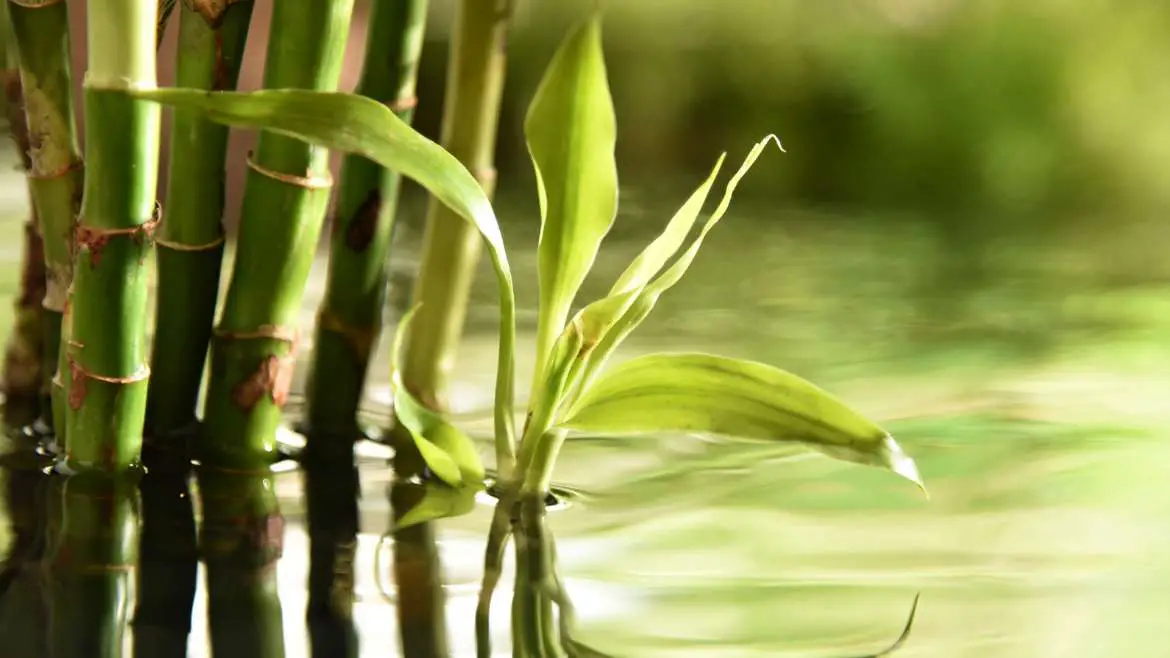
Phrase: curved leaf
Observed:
(356, 124)
(718, 395)
(447, 450)
(571, 132)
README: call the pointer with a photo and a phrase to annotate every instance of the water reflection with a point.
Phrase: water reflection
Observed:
(241, 539)
(168, 561)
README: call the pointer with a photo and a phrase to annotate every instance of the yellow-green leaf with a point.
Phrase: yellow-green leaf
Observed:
(447, 450)
(694, 392)
(619, 320)
(355, 124)
(571, 133)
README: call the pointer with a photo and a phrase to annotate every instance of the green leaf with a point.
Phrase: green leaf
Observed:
(608, 321)
(571, 133)
(447, 450)
(692, 392)
(439, 502)
(355, 124)
(654, 256)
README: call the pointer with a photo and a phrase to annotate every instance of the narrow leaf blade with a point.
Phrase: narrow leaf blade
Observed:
(571, 133)
(696, 392)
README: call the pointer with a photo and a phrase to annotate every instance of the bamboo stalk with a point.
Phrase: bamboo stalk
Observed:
(350, 316)
(285, 195)
(190, 240)
(107, 340)
(41, 28)
(23, 379)
(241, 539)
(451, 247)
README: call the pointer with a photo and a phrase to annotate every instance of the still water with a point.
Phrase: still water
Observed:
(1027, 375)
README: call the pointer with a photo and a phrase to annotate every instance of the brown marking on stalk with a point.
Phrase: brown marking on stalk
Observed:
(212, 11)
(360, 339)
(402, 105)
(77, 387)
(364, 223)
(222, 79)
(272, 379)
(95, 239)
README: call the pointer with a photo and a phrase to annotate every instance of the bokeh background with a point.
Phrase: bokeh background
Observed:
(967, 239)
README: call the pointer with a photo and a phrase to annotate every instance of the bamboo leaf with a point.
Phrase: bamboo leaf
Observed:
(355, 124)
(616, 321)
(447, 450)
(654, 256)
(718, 395)
(571, 132)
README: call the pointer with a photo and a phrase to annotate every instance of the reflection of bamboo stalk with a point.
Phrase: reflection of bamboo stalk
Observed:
(166, 566)
(93, 533)
(241, 540)
(22, 584)
(331, 490)
(418, 577)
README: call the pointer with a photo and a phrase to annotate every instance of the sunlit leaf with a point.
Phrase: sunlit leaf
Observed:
(440, 502)
(549, 393)
(693, 392)
(658, 252)
(571, 133)
(447, 450)
(644, 298)
(356, 124)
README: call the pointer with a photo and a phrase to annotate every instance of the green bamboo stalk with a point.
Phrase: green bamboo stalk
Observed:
(241, 539)
(451, 247)
(23, 378)
(350, 316)
(190, 239)
(285, 196)
(107, 340)
(41, 28)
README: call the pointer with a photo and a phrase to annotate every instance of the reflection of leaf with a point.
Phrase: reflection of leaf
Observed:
(901, 638)
(719, 395)
(354, 124)
(439, 501)
(448, 451)
(571, 133)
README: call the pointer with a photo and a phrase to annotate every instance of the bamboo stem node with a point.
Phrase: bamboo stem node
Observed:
(79, 376)
(180, 246)
(268, 331)
(35, 174)
(95, 238)
(35, 4)
(311, 182)
(361, 339)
